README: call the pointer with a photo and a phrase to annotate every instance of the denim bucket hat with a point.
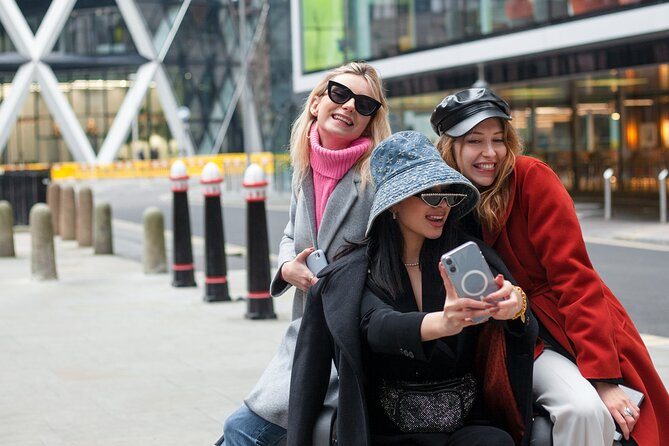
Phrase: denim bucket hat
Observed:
(458, 113)
(407, 163)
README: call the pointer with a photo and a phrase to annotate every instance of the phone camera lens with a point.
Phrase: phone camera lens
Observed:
(452, 269)
(449, 261)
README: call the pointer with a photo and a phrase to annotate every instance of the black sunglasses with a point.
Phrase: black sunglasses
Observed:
(434, 199)
(341, 94)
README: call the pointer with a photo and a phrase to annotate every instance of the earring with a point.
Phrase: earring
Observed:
(394, 215)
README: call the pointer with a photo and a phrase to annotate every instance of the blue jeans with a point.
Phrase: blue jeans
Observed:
(245, 428)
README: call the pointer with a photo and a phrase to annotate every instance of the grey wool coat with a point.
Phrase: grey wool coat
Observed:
(344, 220)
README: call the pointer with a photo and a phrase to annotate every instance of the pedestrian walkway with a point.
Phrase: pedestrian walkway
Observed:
(109, 356)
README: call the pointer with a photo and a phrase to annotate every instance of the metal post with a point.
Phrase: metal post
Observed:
(608, 175)
(662, 177)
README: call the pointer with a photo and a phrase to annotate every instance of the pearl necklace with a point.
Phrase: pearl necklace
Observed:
(409, 265)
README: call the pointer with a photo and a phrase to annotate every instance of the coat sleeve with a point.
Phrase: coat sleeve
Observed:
(389, 331)
(278, 286)
(555, 234)
(311, 371)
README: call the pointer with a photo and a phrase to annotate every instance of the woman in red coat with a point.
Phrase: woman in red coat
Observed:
(590, 344)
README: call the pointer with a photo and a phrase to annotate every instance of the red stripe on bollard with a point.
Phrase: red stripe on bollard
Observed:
(257, 295)
(255, 199)
(182, 266)
(216, 279)
(255, 184)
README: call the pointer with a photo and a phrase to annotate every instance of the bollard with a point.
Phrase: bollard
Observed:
(42, 253)
(608, 178)
(155, 260)
(184, 271)
(68, 212)
(6, 230)
(53, 200)
(260, 305)
(216, 268)
(102, 236)
(662, 178)
(85, 217)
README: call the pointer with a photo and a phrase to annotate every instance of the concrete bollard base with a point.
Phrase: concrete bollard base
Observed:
(68, 214)
(85, 217)
(102, 237)
(155, 258)
(6, 230)
(42, 256)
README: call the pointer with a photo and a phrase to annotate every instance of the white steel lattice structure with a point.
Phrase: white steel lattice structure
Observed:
(36, 47)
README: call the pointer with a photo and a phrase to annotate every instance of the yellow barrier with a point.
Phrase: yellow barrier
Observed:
(23, 166)
(229, 163)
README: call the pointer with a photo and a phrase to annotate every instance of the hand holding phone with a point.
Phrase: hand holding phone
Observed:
(469, 273)
(316, 261)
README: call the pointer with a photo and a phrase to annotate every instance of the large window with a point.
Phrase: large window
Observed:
(340, 30)
(582, 125)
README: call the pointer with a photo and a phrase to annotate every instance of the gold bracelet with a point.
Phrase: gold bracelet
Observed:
(521, 313)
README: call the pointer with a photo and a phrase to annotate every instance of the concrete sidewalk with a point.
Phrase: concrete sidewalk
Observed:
(109, 356)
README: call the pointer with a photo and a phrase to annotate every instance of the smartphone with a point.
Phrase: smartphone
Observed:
(637, 398)
(469, 272)
(316, 261)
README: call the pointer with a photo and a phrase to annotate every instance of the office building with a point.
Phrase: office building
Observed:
(588, 80)
(101, 80)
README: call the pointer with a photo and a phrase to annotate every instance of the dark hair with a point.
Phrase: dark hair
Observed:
(385, 246)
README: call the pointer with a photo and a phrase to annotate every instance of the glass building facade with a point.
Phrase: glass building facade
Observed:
(586, 94)
(98, 57)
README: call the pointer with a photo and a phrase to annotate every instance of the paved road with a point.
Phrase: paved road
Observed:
(635, 273)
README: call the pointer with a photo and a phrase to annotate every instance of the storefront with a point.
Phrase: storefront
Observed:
(588, 81)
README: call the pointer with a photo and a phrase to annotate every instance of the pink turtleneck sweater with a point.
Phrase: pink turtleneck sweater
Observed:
(329, 166)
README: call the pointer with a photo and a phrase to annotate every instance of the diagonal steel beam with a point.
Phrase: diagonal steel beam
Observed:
(141, 36)
(11, 105)
(171, 111)
(17, 28)
(120, 128)
(138, 30)
(62, 113)
(52, 26)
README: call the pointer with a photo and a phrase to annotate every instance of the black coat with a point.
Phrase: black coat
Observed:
(331, 330)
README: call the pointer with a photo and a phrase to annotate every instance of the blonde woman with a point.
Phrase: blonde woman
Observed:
(344, 118)
(590, 344)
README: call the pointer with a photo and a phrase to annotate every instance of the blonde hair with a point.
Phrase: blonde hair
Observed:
(377, 130)
(491, 208)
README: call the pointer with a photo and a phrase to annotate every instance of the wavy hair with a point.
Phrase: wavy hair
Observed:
(377, 130)
(491, 208)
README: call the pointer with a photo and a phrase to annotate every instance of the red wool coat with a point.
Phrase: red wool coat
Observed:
(542, 245)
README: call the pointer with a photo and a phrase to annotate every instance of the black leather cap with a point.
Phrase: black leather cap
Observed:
(458, 113)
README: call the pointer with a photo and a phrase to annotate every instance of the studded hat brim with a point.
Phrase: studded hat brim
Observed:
(417, 179)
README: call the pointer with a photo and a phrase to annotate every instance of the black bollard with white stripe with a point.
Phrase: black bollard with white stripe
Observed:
(216, 268)
(260, 305)
(182, 262)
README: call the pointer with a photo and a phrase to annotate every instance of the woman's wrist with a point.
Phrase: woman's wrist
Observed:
(523, 308)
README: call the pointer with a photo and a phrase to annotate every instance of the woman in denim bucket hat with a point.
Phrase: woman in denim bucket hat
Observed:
(387, 314)
(589, 343)
(343, 119)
